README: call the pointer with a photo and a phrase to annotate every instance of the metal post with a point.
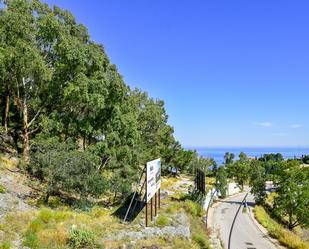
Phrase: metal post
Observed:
(133, 197)
(230, 235)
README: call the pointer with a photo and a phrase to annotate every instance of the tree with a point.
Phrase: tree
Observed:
(66, 170)
(55, 82)
(228, 158)
(25, 71)
(239, 170)
(292, 200)
(221, 181)
(257, 181)
(272, 157)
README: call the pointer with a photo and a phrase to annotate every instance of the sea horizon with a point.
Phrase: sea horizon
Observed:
(217, 152)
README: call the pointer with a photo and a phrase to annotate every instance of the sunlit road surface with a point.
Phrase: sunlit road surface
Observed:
(246, 235)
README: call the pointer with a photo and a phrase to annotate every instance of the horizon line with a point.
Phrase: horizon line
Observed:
(249, 146)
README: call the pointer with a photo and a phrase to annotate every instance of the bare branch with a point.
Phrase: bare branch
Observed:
(34, 118)
(34, 130)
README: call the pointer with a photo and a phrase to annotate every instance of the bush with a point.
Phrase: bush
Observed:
(201, 240)
(5, 245)
(31, 240)
(81, 238)
(162, 221)
(2, 189)
(193, 208)
(66, 169)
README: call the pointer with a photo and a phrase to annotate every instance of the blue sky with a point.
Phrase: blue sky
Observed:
(231, 73)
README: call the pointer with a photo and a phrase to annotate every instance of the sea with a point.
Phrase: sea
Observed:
(217, 153)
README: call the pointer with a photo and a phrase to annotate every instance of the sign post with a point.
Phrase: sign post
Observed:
(153, 184)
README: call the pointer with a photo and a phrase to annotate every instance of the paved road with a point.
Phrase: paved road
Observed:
(246, 235)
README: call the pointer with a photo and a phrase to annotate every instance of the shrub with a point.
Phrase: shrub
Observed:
(2, 189)
(5, 245)
(36, 225)
(31, 240)
(67, 169)
(193, 208)
(162, 221)
(183, 243)
(201, 240)
(54, 237)
(81, 238)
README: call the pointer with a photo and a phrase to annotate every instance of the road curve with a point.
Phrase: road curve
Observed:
(246, 234)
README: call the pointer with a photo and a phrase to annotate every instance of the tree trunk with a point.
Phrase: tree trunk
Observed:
(25, 135)
(46, 197)
(26, 147)
(6, 112)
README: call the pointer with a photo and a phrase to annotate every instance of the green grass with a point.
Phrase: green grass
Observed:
(52, 228)
(5, 245)
(81, 238)
(2, 189)
(200, 239)
(277, 231)
(162, 220)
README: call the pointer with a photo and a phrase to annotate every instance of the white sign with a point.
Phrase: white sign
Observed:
(153, 178)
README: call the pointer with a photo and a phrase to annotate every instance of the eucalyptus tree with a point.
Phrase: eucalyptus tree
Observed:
(24, 70)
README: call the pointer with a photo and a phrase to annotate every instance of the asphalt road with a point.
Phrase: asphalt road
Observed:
(246, 235)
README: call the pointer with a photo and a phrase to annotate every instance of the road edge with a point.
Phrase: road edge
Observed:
(263, 230)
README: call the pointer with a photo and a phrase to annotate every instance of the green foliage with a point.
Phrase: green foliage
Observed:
(257, 181)
(67, 169)
(2, 189)
(70, 109)
(162, 220)
(81, 239)
(272, 157)
(31, 240)
(193, 208)
(305, 159)
(239, 170)
(6, 245)
(228, 158)
(200, 239)
(292, 198)
(221, 181)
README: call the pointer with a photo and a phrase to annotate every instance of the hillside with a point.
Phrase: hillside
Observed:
(25, 221)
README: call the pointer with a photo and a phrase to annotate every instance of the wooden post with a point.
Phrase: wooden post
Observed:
(146, 215)
(159, 199)
(156, 196)
(151, 209)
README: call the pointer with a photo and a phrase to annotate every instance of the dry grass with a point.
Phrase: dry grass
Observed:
(286, 237)
(50, 228)
(6, 162)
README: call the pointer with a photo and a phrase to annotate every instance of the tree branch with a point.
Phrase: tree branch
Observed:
(34, 130)
(295, 224)
(34, 118)
(102, 166)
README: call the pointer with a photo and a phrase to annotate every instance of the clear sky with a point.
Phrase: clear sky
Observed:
(231, 73)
